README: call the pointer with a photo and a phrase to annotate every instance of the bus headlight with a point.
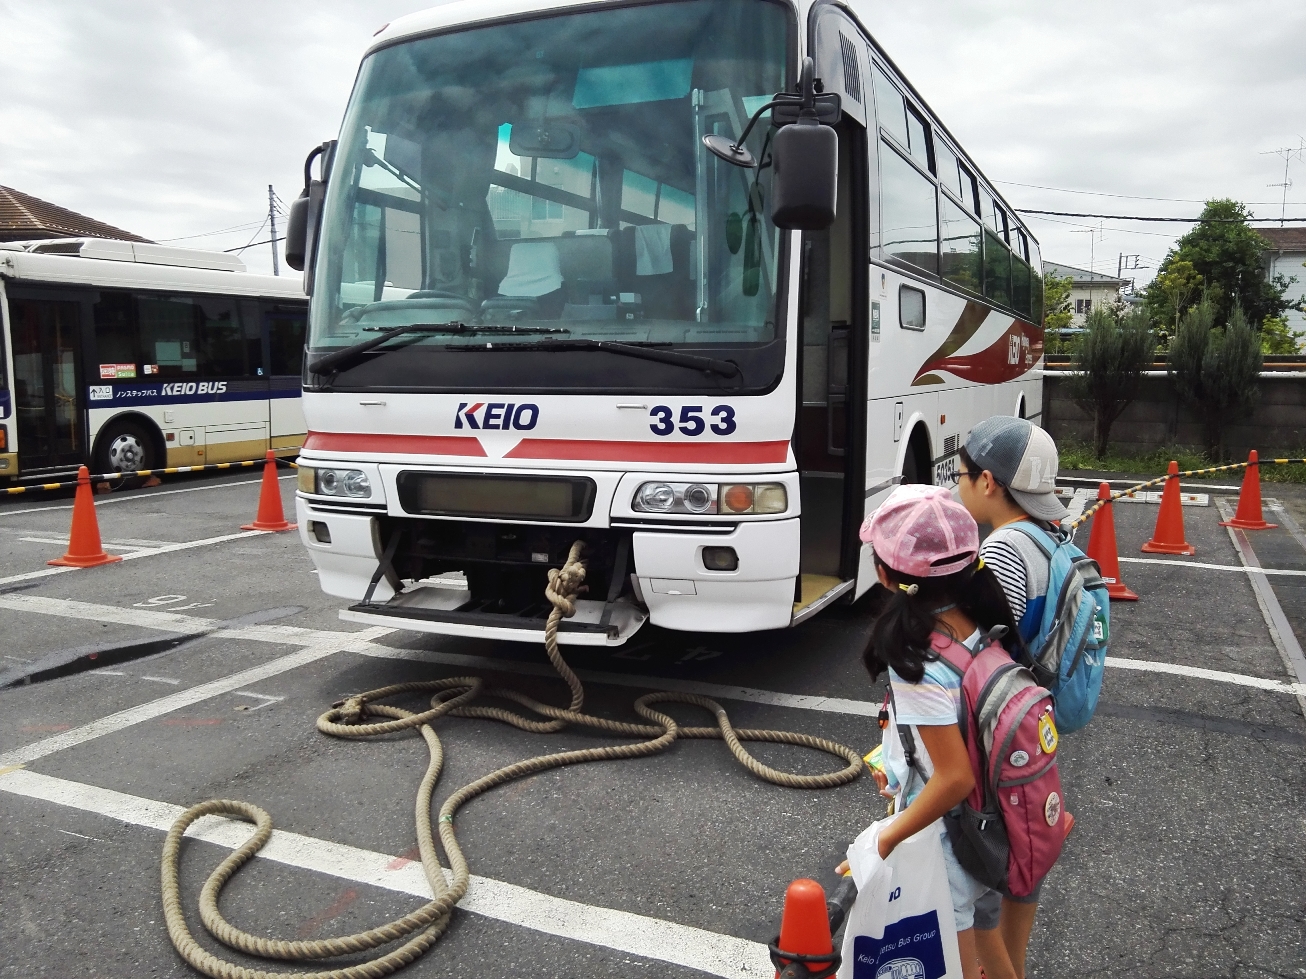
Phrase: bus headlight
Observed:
(351, 483)
(706, 498)
(754, 498)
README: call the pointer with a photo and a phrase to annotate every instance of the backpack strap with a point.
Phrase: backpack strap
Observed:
(908, 741)
(1047, 542)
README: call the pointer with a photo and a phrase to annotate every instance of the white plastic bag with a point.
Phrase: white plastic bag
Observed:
(901, 926)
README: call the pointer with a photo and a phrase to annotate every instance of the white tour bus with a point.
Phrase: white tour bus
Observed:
(550, 303)
(120, 356)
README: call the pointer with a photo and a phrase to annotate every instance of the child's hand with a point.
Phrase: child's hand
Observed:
(882, 781)
(842, 869)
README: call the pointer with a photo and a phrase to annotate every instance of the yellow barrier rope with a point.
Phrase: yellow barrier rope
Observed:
(1209, 470)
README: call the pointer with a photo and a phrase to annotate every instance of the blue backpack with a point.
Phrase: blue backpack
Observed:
(1067, 630)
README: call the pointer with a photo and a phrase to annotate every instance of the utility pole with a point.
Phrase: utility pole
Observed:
(272, 219)
(1288, 153)
(1093, 235)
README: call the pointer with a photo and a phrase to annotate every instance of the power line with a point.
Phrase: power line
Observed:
(1129, 197)
(254, 244)
(1136, 217)
(210, 234)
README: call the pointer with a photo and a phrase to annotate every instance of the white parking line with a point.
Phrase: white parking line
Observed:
(358, 642)
(143, 552)
(833, 705)
(105, 500)
(184, 698)
(634, 934)
(1244, 569)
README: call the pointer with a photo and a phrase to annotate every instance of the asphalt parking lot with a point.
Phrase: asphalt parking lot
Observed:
(215, 651)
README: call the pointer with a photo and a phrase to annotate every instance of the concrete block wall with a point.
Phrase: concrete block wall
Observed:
(1277, 426)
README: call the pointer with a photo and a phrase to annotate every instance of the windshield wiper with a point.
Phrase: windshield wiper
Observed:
(348, 356)
(726, 368)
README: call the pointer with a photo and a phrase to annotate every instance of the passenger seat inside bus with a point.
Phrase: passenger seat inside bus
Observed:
(653, 262)
(532, 288)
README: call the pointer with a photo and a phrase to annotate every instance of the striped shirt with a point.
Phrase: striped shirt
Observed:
(1020, 565)
(933, 702)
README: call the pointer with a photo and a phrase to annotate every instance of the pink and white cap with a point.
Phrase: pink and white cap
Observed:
(923, 532)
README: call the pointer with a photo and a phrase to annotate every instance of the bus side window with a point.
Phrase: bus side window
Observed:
(169, 340)
(251, 325)
(222, 342)
(115, 332)
(286, 326)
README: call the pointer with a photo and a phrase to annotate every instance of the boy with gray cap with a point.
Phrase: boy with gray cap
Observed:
(1008, 473)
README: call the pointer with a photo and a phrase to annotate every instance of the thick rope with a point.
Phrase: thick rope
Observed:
(353, 718)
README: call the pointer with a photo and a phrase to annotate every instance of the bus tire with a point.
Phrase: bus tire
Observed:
(125, 446)
(916, 466)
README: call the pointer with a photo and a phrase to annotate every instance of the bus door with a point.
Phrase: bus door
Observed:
(47, 335)
(284, 328)
(830, 433)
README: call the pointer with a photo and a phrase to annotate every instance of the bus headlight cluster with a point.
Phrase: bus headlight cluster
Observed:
(700, 498)
(350, 483)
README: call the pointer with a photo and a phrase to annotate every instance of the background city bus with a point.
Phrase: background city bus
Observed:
(124, 356)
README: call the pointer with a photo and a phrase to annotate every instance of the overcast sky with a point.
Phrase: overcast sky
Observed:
(169, 119)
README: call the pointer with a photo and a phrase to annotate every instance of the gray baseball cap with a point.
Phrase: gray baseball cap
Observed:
(1023, 458)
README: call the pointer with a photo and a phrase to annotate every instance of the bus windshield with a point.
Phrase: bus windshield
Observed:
(550, 175)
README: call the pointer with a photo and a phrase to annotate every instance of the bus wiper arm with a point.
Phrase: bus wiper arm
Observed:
(726, 368)
(348, 356)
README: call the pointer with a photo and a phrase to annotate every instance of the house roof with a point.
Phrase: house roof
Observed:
(1081, 276)
(24, 218)
(1285, 239)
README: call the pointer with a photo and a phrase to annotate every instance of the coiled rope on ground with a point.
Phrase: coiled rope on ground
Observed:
(351, 718)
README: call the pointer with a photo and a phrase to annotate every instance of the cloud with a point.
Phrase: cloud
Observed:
(170, 119)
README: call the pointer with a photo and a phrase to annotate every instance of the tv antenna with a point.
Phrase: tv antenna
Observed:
(1289, 153)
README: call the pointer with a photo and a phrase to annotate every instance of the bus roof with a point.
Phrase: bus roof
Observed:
(128, 264)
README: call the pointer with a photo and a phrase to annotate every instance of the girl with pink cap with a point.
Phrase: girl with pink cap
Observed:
(926, 549)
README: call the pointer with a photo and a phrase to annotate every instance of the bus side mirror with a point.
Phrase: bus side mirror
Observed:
(306, 216)
(297, 232)
(805, 167)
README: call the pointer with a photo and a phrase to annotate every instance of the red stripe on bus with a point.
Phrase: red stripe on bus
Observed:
(438, 445)
(601, 451)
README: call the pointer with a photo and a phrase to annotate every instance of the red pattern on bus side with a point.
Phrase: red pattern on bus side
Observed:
(437, 445)
(604, 451)
(996, 363)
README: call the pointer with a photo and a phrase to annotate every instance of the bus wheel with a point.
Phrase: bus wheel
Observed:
(916, 463)
(124, 447)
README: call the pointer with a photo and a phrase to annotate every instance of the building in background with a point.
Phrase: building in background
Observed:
(1286, 256)
(27, 218)
(1087, 289)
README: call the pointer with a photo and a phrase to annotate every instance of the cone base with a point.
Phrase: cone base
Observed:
(1248, 524)
(275, 528)
(94, 560)
(1120, 593)
(1153, 547)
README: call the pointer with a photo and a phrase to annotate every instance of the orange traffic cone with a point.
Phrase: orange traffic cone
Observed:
(270, 515)
(1168, 538)
(84, 547)
(1249, 515)
(804, 930)
(1102, 548)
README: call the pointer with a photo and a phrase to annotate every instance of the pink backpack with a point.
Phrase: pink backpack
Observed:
(1008, 832)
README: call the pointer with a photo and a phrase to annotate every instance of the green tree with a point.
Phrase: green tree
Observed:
(1172, 292)
(1216, 369)
(1277, 338)
(1056, 315)
(1229, 257)
(1110, 358)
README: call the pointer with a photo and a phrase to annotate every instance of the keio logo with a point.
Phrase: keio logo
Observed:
(191, 387)
(497, 415)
